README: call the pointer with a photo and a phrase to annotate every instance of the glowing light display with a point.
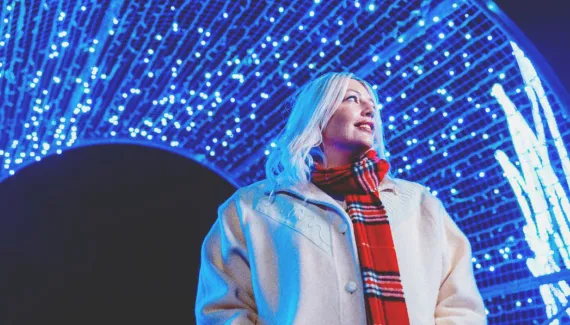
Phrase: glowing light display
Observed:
(464, 111)
(542, 198)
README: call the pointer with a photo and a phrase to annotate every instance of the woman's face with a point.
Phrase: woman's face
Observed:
(350, 130)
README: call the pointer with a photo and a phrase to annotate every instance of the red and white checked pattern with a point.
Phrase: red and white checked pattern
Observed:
(358, 182)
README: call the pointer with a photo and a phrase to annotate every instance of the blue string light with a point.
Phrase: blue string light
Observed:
(464, 111)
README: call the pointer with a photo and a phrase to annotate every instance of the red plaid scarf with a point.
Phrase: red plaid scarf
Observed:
(358, 182)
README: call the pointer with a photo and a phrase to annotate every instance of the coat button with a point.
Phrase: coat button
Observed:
(342, 228)
(351, 286)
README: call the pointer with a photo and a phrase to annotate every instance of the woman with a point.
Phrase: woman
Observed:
(329, 237)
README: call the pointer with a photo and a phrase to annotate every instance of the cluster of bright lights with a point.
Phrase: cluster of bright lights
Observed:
(210, 80)
(542, 199)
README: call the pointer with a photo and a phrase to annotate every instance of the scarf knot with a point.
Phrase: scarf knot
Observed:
(359, 177)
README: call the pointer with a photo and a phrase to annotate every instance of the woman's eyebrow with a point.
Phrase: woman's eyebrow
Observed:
(359, 94)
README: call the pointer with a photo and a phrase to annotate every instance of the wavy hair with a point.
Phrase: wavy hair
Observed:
(298, 144)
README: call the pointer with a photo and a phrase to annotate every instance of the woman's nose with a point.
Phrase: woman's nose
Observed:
(368, 109)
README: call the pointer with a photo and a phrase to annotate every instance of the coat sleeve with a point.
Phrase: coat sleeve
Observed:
(224, 286)
(459, 301)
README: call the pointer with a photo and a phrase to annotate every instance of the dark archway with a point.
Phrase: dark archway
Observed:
(105, 234)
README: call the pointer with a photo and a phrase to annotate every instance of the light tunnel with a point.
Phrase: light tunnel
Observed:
(469, 107)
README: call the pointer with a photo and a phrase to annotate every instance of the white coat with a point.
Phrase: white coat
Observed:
(291, 258)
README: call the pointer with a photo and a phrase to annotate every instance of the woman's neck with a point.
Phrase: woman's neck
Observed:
(335, 157)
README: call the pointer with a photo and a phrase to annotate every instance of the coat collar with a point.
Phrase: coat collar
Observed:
(310, 192)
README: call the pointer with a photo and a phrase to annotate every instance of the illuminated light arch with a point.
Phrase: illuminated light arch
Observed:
(208, 79)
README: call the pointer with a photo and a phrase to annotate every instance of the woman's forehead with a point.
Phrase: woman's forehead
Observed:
(353, 83)
(360, 88)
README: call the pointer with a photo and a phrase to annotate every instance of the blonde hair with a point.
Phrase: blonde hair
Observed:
(312, 106)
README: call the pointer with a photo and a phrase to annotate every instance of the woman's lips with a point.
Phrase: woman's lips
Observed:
(364, 127)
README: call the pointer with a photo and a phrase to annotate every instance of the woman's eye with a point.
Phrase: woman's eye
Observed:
(352, 98)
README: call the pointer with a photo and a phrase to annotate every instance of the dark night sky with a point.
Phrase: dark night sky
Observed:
(111, 234)
(547, 24)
